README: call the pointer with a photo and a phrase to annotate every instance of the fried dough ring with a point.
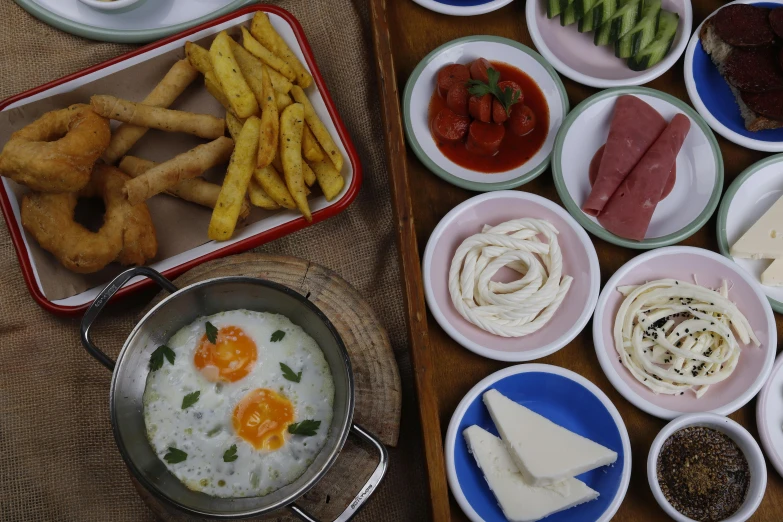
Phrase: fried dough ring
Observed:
(56, 153)
(127, 234)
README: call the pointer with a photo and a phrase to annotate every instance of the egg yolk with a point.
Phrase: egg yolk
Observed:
(262, 417)
(229, 359)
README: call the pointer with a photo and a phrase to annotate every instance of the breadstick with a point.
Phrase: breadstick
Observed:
(184, 166)
(170, 87)
(261, 28)
(202, 125)
(195, 190)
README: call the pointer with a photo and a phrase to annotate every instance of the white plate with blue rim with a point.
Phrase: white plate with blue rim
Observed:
(463, 7)
(713, 99)
(565, 398)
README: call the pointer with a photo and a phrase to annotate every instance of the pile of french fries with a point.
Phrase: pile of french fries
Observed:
(273, 134)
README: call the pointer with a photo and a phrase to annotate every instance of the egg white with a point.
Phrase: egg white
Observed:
(204, 431)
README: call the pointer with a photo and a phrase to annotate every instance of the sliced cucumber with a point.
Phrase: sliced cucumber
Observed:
(595, 17)
(643, 32)
(624, 20)
(568, 16)
(553, 8)
(603, 30)
(654, 52)
(583, 7)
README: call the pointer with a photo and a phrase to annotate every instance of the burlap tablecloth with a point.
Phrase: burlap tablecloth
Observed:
(58, 460)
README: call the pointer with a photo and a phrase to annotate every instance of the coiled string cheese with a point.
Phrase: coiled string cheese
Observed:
(520, 307)
(675, 336)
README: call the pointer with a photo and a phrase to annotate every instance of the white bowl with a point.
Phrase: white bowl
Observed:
(769, 416)
(743, 439)
(481, 7)
(574, 55)
(421, 84)
(111, 5)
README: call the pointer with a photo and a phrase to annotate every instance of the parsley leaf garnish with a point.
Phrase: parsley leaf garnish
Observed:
(174, 456)
(277, 336)
(212, 333)
(306, 427)
(289, 374)
(190, 399)
(230, 454)
(507, 97)
(156, 359)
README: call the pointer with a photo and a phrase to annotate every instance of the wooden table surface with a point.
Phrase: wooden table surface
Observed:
(414, 32)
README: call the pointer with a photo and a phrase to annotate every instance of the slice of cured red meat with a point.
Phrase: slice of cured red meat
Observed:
(629, 211)
(635, 126)
(776, 21)
(769, 104)
(744, 25)
(754, 69)
(596, 162)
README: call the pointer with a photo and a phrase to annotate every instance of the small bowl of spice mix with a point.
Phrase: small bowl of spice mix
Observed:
(707, 468)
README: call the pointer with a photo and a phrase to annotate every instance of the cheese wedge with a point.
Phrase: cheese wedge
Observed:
(520, 501)
(773, 275)
(764, 240)
(544, 452)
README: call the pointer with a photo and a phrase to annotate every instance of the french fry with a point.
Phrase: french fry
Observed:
(259, 197)
(317, 126)
(279, 82)
(251, 68)
(270, 123)
(291, 123)
(330, 181)
(310, 148)
(269, 179)
(195, 190)
(170, 87)
(187, 165)
(282, 100)
(198, 57)
(261, 28)
(240, 171)
(213, 87)
(201, 125)
(234, 125)
(227, 70)
(308, 174)
(265, 55)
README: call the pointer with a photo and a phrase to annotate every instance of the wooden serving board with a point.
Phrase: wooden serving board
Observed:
(376, 376)
(403, 33)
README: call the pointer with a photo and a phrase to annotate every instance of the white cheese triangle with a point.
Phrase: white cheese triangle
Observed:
(773, 275)
(544, 452)
(520, 501)
(764, 240)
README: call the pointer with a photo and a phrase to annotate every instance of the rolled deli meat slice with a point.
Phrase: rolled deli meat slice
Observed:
(635, 126)
(630, 209)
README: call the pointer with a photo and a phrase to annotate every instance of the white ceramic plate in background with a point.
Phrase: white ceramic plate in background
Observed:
(699, 168)
(769, 416)
(748, 197)
(463, 7)
(575, 55)
(421, 85)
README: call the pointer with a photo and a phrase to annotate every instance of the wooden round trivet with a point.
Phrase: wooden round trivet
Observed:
(377, 379)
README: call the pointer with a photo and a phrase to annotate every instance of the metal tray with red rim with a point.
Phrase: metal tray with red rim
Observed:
(267, 229)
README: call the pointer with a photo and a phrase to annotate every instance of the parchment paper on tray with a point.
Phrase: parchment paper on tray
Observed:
(180, 225)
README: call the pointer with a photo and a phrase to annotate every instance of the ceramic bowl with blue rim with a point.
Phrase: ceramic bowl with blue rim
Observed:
(712, 97)
(463, 7)
(565, 398)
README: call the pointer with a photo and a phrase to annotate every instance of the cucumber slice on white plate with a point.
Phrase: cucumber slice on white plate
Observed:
(655, 51)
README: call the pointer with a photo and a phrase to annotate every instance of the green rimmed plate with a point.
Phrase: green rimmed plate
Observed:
(695, 195)
(421, 84)
(144, 21)
(749, 196)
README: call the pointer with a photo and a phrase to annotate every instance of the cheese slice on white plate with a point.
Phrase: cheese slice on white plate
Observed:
(773, 275)
(764, 240)
(520, 501)
(544, 452)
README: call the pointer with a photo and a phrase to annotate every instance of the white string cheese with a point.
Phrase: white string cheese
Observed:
(675, 336)
(520, 307)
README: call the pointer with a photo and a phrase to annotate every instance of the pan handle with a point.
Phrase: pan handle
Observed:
(103, 298)
(368, 488)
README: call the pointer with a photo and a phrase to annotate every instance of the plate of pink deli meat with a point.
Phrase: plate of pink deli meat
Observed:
(637, 167)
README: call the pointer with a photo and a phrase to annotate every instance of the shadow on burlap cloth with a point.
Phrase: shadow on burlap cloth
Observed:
(58, 459)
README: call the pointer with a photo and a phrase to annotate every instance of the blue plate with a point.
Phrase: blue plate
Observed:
(714, 100)
(463, 7)
(564, 398)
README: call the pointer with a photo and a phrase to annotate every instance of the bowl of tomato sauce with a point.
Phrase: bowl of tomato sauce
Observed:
(482, 112)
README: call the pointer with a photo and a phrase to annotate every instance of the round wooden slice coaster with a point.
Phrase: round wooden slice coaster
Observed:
(377, 379)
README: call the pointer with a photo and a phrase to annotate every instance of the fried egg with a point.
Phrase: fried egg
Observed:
(220, 416)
